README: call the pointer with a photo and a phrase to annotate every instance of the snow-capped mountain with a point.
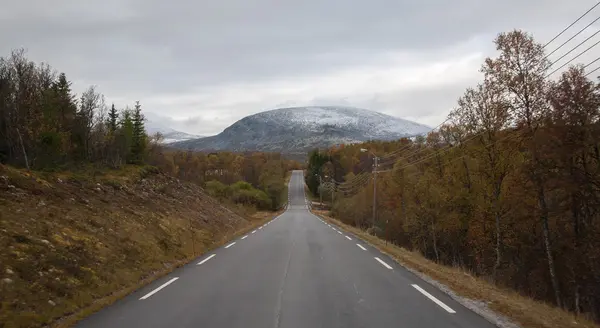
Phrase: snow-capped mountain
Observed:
(153, 126)
(303, 128)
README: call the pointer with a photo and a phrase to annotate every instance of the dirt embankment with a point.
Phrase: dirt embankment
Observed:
(70, 241)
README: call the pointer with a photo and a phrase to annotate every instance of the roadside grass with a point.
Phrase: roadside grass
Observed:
(516, 307)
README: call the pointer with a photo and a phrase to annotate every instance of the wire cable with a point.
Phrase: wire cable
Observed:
(568, 27)
(572, 59)
(571, 38)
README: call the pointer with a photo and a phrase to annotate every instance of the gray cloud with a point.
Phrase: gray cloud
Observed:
(199, 59)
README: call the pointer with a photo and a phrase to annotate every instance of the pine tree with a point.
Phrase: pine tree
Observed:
(138, 147)
(113, 115)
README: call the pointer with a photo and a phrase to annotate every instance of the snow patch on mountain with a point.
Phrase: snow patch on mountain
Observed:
(169, 135)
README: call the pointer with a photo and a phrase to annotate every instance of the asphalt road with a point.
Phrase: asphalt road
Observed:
(295, 271)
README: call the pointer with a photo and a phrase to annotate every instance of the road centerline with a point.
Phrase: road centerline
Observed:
(230, 245)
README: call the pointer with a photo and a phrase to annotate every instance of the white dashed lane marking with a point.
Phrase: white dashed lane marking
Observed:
(206, 259)
(159, 288)
(435, 300)
(383, 263)
(361, 247)
(230, 245)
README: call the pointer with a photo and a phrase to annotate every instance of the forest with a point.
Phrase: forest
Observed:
(45, 126)
(253, 179)
(508, 187)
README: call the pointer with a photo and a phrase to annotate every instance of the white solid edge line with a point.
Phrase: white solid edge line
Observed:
(159, 288)
(230, 245)
(383, 263)
(431, 297)
(361, 247)
(348, 238)
(206, 259)
(246, 236)
(254, 231)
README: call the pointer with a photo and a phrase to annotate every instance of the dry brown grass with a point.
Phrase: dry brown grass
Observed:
(523, 310)
(73, 242)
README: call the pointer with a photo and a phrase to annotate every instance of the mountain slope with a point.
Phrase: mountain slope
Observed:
(302, 128)
(154, 125)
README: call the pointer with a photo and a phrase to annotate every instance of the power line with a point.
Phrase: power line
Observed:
(356, 183)
(595, 69)
(571, 38)
(577, 46)
(595, 60)
(568, 27)
(572, 59)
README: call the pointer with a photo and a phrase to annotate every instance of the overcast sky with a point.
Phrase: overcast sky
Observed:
(198, 66)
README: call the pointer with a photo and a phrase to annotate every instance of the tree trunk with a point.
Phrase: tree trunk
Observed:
(435, 248)
(498, 233)
(547, 242)
(469, 184)
(498, 247)
(23, 149)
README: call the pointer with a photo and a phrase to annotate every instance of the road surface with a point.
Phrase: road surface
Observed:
(295, 271)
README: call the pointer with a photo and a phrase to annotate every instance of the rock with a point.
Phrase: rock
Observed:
(98, 189)
(19, 210)
(11, 187)
(7, 281)
(40, 273)
(59, 180)
(41, 203)
(9, 271)
(44, 241)
(51, 302)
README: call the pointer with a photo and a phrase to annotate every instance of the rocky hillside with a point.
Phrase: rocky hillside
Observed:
(299, 129)
(76, 238)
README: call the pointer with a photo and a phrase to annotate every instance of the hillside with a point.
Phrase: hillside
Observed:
(76, 238)
(300, 129)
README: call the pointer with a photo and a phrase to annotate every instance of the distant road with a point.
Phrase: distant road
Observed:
(296, 271)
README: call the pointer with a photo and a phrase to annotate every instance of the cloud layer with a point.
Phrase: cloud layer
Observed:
(202, 65)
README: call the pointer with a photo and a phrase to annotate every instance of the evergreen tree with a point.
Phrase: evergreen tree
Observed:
(125, 135)
(113, 116)
(138, 146)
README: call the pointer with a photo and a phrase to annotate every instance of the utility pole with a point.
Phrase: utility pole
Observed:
(332, 191)
(320, 191)
(375, 160)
